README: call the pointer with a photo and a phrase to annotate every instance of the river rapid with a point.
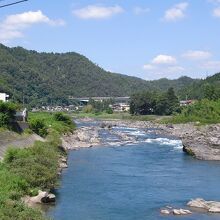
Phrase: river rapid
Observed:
(133, 181)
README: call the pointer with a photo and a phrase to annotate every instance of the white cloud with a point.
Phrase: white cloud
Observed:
(177, 12)
(216, 12)
(139, 10)
(211, 65)
(164, 59)
(14, 25)
(97, 12)
(197, 55)
(158, 72)
(148, 67)
(163, 66)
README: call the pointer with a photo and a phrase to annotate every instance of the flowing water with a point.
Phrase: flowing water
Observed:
(133, 182)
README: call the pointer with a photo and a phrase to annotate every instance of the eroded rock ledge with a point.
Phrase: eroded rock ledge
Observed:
(202, 142)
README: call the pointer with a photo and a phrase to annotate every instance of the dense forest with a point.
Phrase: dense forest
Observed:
(206, 88)
(50, 78)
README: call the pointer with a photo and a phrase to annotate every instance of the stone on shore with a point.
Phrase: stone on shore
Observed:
(41, 198)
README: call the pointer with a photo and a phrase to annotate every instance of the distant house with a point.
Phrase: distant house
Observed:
(186, 102)
(120, 107)
(4, 97)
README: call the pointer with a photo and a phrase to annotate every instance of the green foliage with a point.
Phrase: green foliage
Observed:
(12, 187)
(59, 116)
(50, 78)
(7, 113)
(148, 103)
(36, 165)
(109, 111)
(210, 92)
(98, 106)
(204, 111)
(208, 88)
(88, 108)
(38, 126)
(143, 103)
(52, 124)
(24, 171)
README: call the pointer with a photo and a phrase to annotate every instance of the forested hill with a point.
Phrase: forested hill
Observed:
(202, 88)
(45, 78)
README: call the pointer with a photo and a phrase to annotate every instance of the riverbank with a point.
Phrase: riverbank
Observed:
(26, 170)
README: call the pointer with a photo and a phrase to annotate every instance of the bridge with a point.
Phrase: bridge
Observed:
(85, 100)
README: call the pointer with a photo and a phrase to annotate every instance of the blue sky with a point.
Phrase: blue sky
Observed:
(150, 39)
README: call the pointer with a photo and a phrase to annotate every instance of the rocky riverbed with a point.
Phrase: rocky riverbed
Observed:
(202, 142)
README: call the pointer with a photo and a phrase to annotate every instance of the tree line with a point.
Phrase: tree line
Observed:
(147, 103)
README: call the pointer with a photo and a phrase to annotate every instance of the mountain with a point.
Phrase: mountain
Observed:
(197, 89)
(50, 78)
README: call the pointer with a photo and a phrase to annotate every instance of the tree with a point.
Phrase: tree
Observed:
(172, 101)
(210, 92)
(143, 103)
(154, 103)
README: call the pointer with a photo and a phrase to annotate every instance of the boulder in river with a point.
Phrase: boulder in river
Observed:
(165, 211)
(181, 212)
(209, 206)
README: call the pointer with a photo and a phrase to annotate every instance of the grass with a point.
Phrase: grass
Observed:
(25, 171)
(51, 123)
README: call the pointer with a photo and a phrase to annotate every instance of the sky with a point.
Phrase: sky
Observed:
(150, 39)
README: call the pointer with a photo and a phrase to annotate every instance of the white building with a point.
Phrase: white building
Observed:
(4, 97)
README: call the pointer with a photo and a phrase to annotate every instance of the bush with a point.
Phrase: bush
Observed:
(4, 119)
(204, 111)
(7, 113)
(37, 165)
(39, 127)
(88, 109)
(109, 111)
(59, 116)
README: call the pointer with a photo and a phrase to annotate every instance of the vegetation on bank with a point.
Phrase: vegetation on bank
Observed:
(204, 112)
(42, 122)
(7, 113)
(25, 171)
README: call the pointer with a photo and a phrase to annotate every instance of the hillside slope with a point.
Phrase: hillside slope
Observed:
(50, 78)
(196, 90)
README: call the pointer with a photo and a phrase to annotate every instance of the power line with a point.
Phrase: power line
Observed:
(13, 3)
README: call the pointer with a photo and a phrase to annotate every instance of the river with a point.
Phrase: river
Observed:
(134, 181)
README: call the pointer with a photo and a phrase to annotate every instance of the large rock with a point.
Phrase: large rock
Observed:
(41, 198)
(209, 206)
